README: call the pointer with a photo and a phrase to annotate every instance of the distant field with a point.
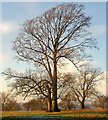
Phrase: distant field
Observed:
(87, 114)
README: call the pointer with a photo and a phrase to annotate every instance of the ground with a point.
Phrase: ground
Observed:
(86, 114)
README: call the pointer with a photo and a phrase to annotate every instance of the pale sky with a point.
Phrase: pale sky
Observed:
(15, 13)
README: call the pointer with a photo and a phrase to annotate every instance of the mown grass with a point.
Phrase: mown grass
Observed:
(88, 114)
(54, 118)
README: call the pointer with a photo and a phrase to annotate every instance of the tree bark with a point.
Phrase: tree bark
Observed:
(54, 89)
(49, 102)
(68, 104)
(81, 105)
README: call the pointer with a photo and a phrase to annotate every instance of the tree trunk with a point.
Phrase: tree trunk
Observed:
(54, 89)
(81, 105)
(55, 105)
(68, 104)
(49, 102)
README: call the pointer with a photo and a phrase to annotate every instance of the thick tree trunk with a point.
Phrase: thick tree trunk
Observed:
(81, 105)
(54, 89)
(49, 101)
(54, 104)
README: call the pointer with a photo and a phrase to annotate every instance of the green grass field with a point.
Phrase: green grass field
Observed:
(87, 114)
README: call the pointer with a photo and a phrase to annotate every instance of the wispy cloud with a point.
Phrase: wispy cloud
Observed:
(102, 85)
(65, 66)
(98, 30)
(8, 27)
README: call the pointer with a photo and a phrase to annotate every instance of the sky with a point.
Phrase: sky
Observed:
(14, 14)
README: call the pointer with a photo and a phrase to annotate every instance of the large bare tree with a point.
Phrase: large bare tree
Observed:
(58, 32)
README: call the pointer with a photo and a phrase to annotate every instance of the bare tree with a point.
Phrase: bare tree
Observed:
(100, 100)
(5, 100)
(59, 32)
(29, 83)
(36, 104)
(83, 84)
(8, 102)
(37, 83)
(68, 102)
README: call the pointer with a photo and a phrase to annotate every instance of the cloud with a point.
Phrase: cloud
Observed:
(101, 87)
(98, 30)
(8, 27)
(65, 66)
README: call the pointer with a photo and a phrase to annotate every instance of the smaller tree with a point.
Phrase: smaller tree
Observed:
(8, 102)
(27, 105)
(30, 83)
(36, 104)
(106, 101)
(67, 102)
(100, 101)
(83, 84)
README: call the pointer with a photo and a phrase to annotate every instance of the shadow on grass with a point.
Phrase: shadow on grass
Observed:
(52, 118)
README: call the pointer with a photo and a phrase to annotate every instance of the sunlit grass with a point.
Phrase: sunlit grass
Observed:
(73, 113)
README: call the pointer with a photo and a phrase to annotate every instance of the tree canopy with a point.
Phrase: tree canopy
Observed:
(61, 32)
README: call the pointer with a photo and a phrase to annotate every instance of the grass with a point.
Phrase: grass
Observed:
(95, 114)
